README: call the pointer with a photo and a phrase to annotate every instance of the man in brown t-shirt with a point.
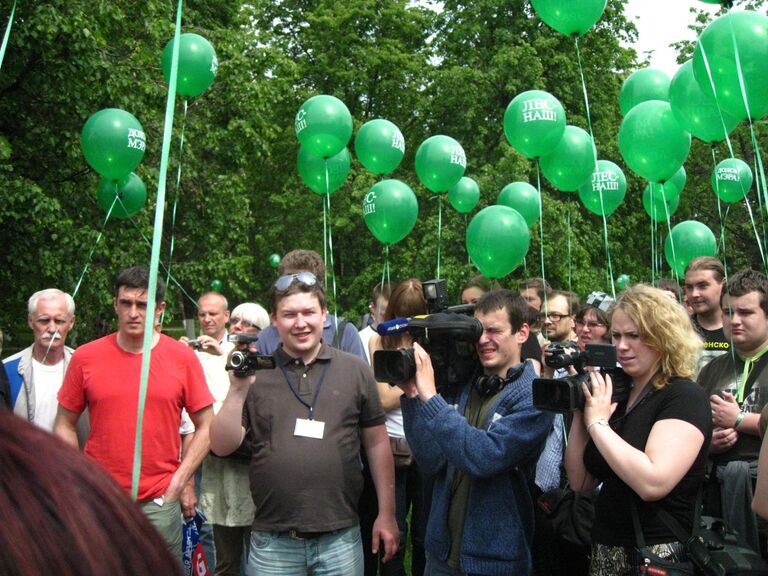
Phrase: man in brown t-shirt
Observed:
(305, 421)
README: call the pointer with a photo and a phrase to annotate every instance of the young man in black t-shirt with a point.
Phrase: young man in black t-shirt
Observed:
(704, 278)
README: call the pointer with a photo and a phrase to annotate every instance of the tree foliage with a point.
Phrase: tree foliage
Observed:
(448, 68)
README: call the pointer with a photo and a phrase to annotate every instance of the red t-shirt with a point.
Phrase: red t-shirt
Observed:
(106, 378)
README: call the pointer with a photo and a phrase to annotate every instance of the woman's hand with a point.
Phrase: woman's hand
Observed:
(598, 405)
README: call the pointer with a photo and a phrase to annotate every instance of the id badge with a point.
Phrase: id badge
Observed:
(309, 428)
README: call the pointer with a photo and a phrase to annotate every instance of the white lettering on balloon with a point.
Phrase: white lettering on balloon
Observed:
(539, 109)
(398, 142)
(731, 174)
(458, 156)
(369, 203)
(603, 181)
(136, 139)
(301, 120)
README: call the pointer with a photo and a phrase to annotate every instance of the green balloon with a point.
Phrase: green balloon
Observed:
(749, 32)
(522, 197)
(697, 111)
(312, 170)
(274, 260)
(216, 285)
(608, 182)
(464, 195)
(652, 142)
(440, 163)
(622, 281)
(571, 162)
(691, 239)
(131, 194)
(534, 123)
(673, 187)
(641, 86)
(655, 205)
(497, 240)
(113, 143)
(197, 64)
(568, 17)
(323, 125)
(390, 210)
(731, 180)
(380, 146)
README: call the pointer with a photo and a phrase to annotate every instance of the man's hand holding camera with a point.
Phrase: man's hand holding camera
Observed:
(423, 383)
(204, 343)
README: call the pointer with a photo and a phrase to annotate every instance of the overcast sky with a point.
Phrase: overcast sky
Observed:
(661, 22)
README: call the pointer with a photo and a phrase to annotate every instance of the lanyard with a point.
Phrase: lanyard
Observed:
(748, 365)
(317, 390)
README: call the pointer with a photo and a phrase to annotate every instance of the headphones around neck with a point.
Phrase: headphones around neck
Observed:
(488, 386)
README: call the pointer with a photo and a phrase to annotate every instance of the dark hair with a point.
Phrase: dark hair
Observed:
(746, 281)
(303, 261)
(480, 281)
(275, 296)
(405, 300)
(62, 514)
(517, 308)
(707, 263)
(571, 298)
(668, 285)
(541, 286)
(138, 277)
(601, 315)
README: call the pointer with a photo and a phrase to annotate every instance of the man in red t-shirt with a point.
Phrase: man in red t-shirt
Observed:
(105, 374)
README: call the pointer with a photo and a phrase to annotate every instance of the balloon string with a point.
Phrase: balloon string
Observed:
(760, 180)
(466, 225)
(175, 202)
(714, 92)
(609, 270)
(541, 231)
(7, 34)
(385, 267)
(719, 209)
(171, 276)
(653, 240)
(96, 243)
(325, 225)
(586, 99)
(568, 242)
(330, 256)
(439, 230)
(149, 324)
(671, 239)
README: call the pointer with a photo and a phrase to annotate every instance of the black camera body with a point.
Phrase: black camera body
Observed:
(565, 394)
(448, 334)
(246, 363)
(242, 338)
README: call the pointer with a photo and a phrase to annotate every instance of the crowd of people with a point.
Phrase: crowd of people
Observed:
(303, 463)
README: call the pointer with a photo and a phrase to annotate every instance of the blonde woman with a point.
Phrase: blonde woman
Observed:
(650, 450)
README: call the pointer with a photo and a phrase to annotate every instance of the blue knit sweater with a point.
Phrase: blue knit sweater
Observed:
(500, 458)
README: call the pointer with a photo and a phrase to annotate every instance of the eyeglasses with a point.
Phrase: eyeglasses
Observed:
(284, 282)
(591, 324)
(553, 316)
(244, 323)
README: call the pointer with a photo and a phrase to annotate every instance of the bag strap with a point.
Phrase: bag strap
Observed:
(639, 537)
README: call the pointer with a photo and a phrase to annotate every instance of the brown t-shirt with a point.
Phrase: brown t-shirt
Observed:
(300, 483)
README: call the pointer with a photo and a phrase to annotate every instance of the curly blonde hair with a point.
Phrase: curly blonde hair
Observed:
(664, 326)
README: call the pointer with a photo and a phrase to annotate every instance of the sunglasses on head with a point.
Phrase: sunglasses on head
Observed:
(284, 282)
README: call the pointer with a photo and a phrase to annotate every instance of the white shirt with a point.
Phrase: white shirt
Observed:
(47, 380)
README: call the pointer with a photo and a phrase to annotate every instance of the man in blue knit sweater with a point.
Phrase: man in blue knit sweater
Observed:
(480, 449)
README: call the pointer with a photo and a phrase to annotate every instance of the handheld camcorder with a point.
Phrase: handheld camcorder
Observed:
(448, 334)
(565, 394)
(247, 362)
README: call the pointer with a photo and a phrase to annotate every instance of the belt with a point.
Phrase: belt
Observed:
(299, 535)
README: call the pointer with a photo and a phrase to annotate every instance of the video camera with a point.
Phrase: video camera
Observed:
(565, 394)
(448, 334)
(246, 362)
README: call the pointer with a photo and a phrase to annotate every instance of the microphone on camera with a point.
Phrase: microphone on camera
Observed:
(394, 326)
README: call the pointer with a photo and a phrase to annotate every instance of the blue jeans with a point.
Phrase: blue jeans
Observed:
(338, 553)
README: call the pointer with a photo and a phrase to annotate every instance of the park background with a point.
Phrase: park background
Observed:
(449, 68)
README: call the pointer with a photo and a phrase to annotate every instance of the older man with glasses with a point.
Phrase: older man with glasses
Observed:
(305, 422)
